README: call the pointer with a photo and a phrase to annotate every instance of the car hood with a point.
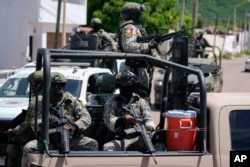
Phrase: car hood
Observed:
(11, 107)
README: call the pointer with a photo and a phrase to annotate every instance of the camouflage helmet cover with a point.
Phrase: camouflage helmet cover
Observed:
(57, 77)
(106, 83)
(35, 76)
(131, 8)
(95, 21)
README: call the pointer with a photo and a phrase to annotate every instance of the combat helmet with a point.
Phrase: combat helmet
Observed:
(126, 78)
(58, 82)
(35, 79)
(96, 23)
(35, 76)
(105, 83)
(128, 82)
(131, 10)
(58, 78)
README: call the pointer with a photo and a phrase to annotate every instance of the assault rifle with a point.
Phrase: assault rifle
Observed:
(162, 37)
(62, 120)
(140, 128)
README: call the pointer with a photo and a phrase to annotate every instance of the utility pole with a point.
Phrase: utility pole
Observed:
(182, 13)
(215, 30)
(196, 12)
(223, 45)
(57, 23)
(64, 23)
(195, 15)
(235, 7)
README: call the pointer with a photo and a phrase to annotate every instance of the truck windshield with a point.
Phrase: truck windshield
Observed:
(19, 87)
(15, 87)
(74, 87)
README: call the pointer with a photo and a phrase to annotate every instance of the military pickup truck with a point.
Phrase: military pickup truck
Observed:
(211, 68)
(197, 129)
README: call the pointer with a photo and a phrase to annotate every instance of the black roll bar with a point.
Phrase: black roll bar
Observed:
(44, 56)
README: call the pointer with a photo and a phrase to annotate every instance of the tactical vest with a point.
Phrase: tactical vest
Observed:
(103, 42)
(119, 32)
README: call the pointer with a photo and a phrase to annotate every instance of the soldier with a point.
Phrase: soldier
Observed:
(117, 119)
(105, 41)
(128, 33)
(77, 115)
(23, 133)
(105, 86)
(200, 45)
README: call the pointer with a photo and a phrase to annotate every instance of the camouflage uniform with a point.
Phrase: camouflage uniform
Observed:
(105, 86)
(105, 41)
(114, 120)
(128, 33)
(77, 116)
(200, 45)
(23, 133)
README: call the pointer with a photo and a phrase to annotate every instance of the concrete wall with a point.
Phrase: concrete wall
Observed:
(20, 19)
(229, 43)
(223, 43)
(14, 31)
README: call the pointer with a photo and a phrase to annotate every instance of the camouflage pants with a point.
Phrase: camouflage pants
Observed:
(84, 144)
(14, 149)
(133, 144)
(14, 155)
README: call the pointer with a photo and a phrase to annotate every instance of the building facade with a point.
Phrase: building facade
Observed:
(31, 24)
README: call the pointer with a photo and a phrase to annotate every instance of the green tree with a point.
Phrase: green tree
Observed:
(159, 14)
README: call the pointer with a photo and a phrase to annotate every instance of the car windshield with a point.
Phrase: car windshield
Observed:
(74, 87)
(19, 87)
(15, 87)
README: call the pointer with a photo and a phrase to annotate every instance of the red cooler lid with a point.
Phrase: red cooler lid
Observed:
(180, 114)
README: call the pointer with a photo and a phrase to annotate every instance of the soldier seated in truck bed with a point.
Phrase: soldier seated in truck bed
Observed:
(104, 88)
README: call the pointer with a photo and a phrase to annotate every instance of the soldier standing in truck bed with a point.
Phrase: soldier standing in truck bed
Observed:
(127, 35)
(200, 45)
(105, 41)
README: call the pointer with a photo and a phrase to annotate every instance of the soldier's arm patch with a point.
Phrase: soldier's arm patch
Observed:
(129, 33)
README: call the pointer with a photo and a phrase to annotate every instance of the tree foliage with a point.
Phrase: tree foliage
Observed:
(160, 14)
(223, 10)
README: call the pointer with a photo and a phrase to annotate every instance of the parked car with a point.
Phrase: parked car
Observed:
(247, 64)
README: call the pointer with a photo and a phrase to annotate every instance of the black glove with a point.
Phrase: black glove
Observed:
(152, 43)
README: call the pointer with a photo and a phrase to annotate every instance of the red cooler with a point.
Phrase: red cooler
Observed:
(181, 130)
